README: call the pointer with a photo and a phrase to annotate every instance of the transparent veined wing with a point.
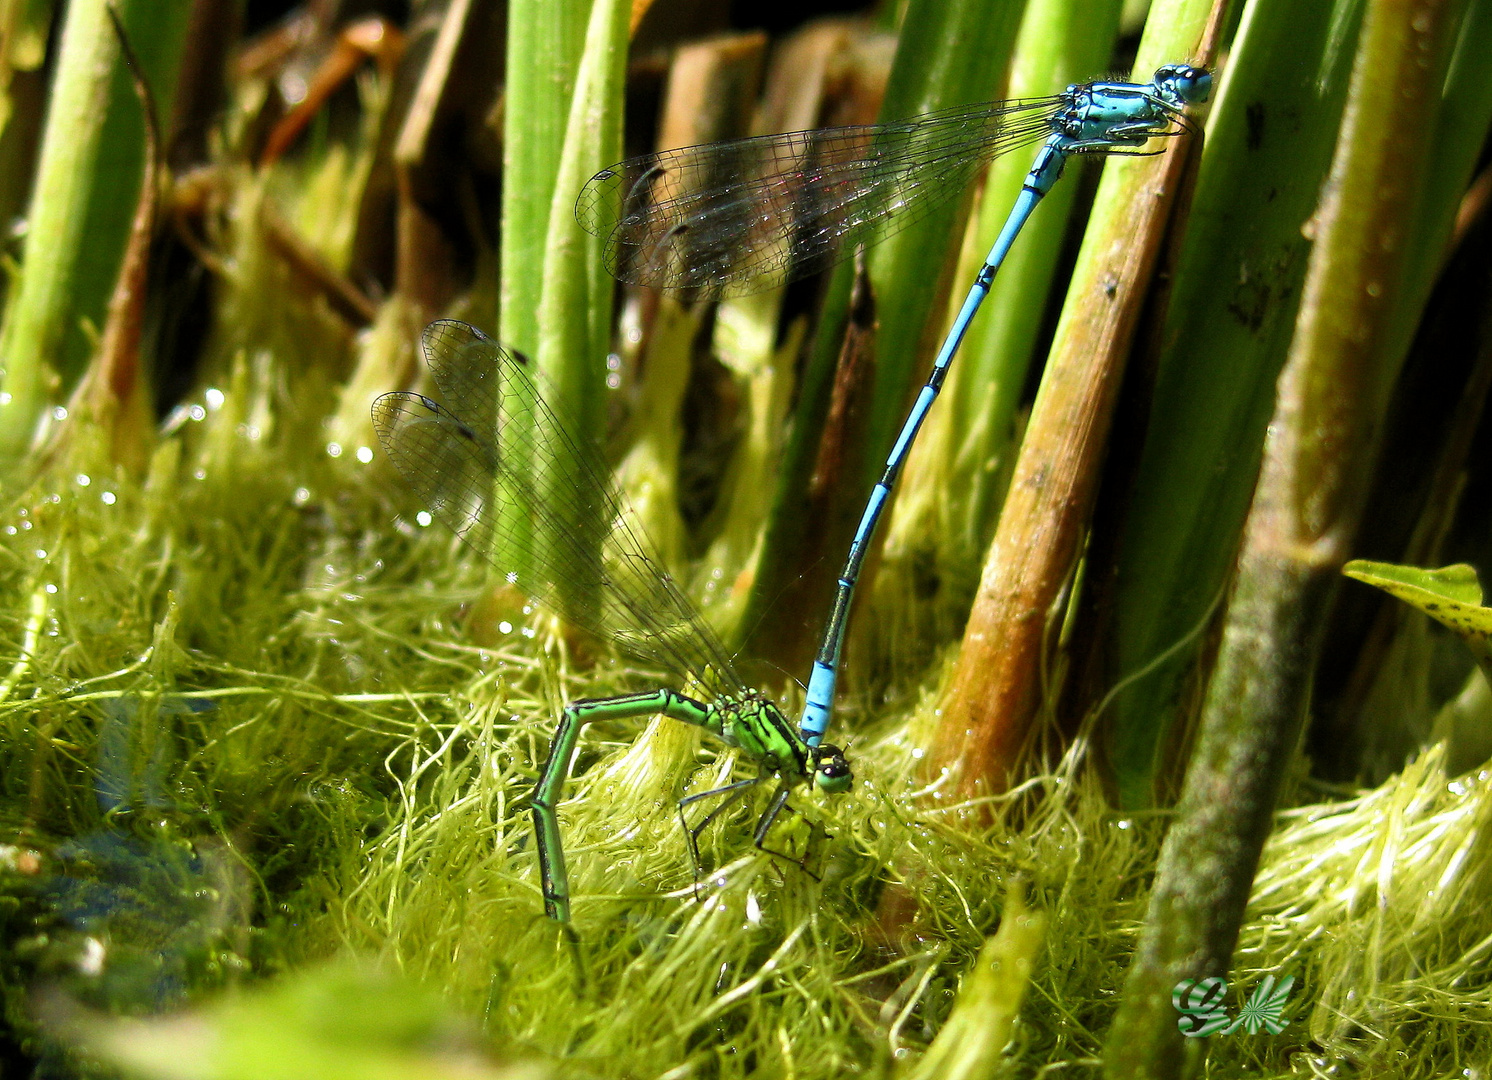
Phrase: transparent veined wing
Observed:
(533, 495)
(736, 217)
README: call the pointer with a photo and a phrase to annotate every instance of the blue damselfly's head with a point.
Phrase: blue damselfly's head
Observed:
(831, 772)
(1183, 84)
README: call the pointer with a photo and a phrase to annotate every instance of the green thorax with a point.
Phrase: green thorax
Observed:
(754, 723)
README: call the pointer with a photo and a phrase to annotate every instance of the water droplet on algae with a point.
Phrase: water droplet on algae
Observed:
(91, 963)
(293, 87)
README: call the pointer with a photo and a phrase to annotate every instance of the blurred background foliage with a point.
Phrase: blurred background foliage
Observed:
(256, 716)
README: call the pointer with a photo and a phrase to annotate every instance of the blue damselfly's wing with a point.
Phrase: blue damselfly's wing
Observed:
(729, 218)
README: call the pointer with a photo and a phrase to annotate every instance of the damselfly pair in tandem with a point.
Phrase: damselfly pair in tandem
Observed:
(531, 492)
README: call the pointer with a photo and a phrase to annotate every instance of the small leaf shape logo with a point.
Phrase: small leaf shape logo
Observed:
(1200, 1003)
(1265, 1008)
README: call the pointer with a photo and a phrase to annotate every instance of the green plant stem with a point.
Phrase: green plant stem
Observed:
(83, 201)
(574, 313)
(1305, 513)
(545, 38)
(23, 91)
(1461, 129)
(987, 1010)
(113, 397)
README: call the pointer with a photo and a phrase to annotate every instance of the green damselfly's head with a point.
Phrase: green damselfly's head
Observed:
(1183, 84)
(831, 772)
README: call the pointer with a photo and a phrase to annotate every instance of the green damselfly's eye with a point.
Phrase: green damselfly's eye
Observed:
(831, 772)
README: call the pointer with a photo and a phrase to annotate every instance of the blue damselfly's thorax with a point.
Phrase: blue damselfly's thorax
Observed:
(1102, 114)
